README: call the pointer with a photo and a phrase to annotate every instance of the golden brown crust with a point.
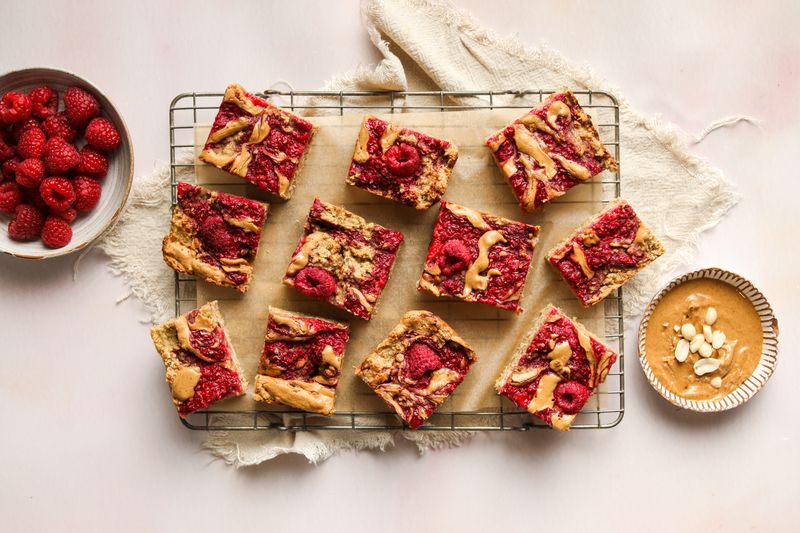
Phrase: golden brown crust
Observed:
(308, 396)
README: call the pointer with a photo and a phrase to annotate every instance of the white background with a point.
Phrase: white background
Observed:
(89, 442)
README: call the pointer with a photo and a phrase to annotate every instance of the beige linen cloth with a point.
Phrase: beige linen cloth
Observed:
(430, 44)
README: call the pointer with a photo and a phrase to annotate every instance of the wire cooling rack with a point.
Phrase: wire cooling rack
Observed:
(606, 407)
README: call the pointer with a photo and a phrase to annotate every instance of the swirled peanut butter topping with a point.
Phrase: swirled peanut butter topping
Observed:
(232, 127)
(555, 110)
(527, 143)
(474, 217)
(474, 280)
(544, 393)
(235, 94)
(361, 155)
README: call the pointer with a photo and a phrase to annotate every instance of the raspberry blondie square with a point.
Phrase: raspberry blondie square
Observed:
(343, 259)
(401, 164)
(301, 362)
(555, 369)
(605, 253)
(550, 150)
(258, 141)
(478, 257)
(202, 367)
(214, 236)
(418, 366)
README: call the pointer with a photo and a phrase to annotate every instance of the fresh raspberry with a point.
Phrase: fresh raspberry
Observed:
(80, 106)
(30, 173)
(60, 156)
(56, 232)
(44, 100)
(69, 215)
(31, 143)
(571, 396)
(315, 282)
(33, 196)
(15, 107)
(454, 257)
(87, 193)
(10, 197)
(92, 162)
(58, 126)
(420, 358)
(101, 134)
(26, 224)
(9, 168)
(6, 150)
(215, 235)
(57, 192)
(402, 159)
(21, 127)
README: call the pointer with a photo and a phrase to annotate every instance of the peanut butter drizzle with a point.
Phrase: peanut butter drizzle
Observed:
(235, 94)
(241, 162)
(362, 299)
(474, 280)
(537, 123)
(389, 137)
(555, 110)
(474, 217)
(586, 344)
(527, 143)
(580, 258)
(688, 303)
(577, 170)
(300, 260)
(232, 127)
(184, 382)
(298, 327)
(559, 356)
(220, 157)
(361, 155)
(329, 357)
(544, 393)
(524, 376)
(439, 379)
(243, 223)
(260, 130)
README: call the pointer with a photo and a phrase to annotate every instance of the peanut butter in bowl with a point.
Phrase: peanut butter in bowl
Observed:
(703, 337)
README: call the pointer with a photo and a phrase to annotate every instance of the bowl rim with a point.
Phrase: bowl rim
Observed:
(769, 350)
(128, 182)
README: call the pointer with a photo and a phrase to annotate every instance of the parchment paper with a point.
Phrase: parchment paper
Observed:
(476, 182)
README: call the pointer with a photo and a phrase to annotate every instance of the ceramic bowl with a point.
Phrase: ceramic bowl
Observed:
(769, 353)
(116, 185)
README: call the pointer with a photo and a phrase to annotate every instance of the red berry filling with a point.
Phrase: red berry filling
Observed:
(212, 344)
(609, 248)
(315, 282)
(455, 257)
(216, 383)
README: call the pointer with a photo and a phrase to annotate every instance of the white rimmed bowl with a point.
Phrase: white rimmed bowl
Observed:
(769, 351)
(116, 185)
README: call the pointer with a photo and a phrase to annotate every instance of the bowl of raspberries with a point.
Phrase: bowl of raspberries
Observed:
(66, 163)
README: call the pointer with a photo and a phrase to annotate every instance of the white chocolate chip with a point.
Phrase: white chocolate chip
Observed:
(696, 343)
(706, 366)
(716, 382)
(711, 316)
(688, 331)
(706, 350)
(682, 350)
(707, 332)
(717, 340)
